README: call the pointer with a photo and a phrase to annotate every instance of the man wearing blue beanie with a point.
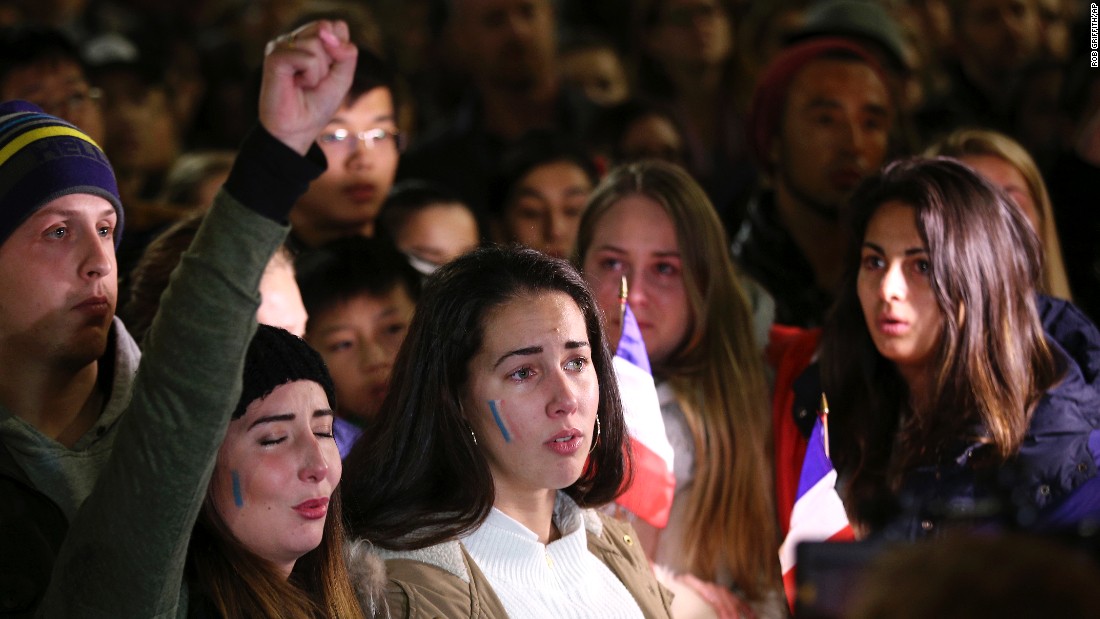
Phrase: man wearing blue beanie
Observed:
(103, 463)
(60, 220)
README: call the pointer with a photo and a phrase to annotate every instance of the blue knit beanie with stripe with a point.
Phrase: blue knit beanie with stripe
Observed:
(43, 158)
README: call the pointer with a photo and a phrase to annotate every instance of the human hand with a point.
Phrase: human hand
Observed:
(724, 603)
(306, 77)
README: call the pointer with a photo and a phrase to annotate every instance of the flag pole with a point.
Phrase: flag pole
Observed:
(825, 423)
(622, 307)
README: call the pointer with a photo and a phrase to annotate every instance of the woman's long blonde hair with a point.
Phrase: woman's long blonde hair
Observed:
(717, 373)
(979, 142)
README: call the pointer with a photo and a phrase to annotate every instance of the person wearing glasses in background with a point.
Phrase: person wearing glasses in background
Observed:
(43, 66)
(362, 145)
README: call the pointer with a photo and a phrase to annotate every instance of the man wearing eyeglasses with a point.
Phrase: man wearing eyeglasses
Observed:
(42, 66)
(362, 145)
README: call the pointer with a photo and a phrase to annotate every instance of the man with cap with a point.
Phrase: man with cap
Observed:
(818, 124)
(95, 463)
(870, 25)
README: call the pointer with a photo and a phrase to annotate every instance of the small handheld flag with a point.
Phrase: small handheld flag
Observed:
(818, 513)
(649, 497)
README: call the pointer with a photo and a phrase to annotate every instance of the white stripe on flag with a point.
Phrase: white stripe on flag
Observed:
(817, 516)
(642, 410)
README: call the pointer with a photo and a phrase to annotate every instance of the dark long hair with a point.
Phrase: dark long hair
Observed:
(416, 477)
(992, 363)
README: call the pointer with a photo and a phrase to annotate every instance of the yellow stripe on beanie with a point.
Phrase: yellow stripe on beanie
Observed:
(41, 133)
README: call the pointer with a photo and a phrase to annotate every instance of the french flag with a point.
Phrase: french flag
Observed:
(649, 497)
(818, 513)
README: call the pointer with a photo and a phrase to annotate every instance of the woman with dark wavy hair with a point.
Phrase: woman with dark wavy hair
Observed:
(958, 393)
(502, 426)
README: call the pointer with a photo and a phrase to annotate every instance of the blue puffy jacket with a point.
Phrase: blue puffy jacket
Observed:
(1052, 483)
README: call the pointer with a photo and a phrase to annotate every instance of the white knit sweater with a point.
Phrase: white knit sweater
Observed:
(560, 579)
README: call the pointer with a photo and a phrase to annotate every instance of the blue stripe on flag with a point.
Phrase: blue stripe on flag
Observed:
(631, 346)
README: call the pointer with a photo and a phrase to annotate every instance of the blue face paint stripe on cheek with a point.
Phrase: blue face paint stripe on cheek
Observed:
(494, 407)
(238, 498)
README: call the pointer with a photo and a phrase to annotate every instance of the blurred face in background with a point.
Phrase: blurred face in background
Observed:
(1009, 179)
(1054, 29)
(652, 136)
(437, 234)
(61, 89)
(691, 33)
(545, 208)
(998, 36)
(346, 198)
(597, 72)
(142, 130)
(835, 131)
(509, 44)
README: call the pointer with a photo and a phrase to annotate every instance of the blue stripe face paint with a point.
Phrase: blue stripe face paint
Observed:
(238, 498)
(494, 407)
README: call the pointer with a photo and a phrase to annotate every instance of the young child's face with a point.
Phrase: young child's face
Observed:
(598, 73)
(346, 199)
(439, 233)
(359, 340)
(547, 208)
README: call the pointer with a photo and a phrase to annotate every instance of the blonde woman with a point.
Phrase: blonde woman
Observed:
(1006, 164)
(650, 222)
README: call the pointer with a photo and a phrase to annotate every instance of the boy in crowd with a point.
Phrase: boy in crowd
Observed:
(360, 295)
(428, 223)
(362, 145)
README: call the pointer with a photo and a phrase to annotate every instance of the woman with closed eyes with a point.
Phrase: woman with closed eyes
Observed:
(269, 538)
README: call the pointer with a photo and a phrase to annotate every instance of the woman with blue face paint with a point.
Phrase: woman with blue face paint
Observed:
(124, 550)
(269, 538)
(502, 429)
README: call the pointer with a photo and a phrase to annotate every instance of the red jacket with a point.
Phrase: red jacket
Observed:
(790, 351)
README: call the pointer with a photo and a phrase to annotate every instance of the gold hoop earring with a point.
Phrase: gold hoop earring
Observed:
(596, 438)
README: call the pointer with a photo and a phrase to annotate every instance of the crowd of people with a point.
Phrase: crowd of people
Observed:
(371, 262)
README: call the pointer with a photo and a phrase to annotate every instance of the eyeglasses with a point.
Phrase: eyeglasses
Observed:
(73, 103)
(373, 138)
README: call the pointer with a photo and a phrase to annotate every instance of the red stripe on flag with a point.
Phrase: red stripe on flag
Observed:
(649, 497)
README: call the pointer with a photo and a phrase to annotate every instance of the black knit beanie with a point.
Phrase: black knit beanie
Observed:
(276, 357)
